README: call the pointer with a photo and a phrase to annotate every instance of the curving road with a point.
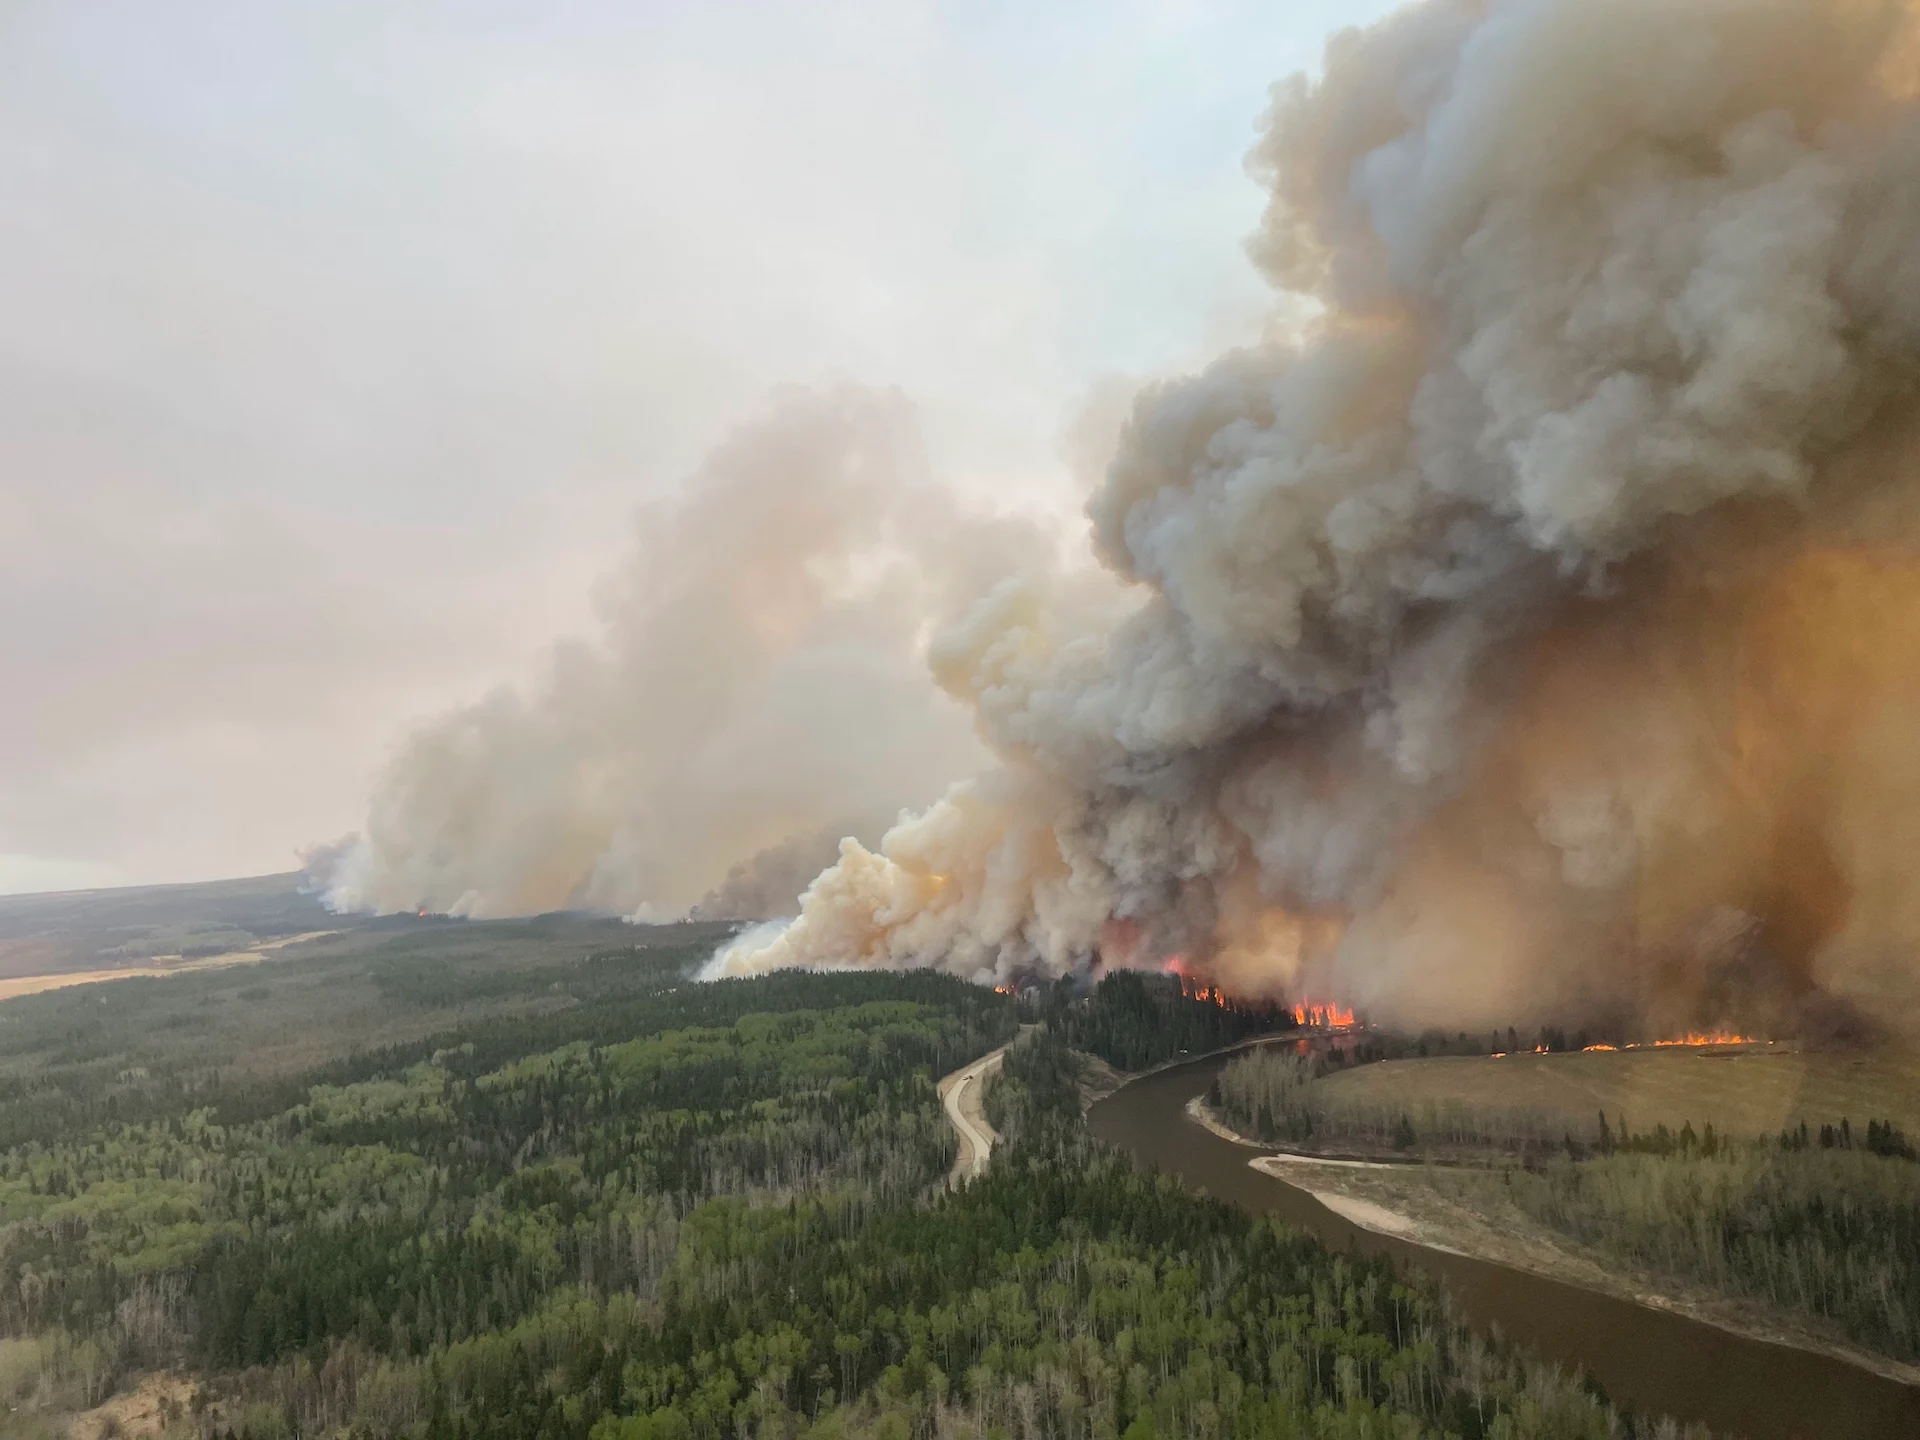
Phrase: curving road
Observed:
(962, 1092)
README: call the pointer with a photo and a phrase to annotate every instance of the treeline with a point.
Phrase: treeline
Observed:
(1825, 1223)
(1272, 1093)
(81, 1079)
(1832, 1233)
(1132, 1020)
(1881, 1137)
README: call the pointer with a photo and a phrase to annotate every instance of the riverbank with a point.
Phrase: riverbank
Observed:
(1651, 1358)
(1463, 1210)
(1098, 1079)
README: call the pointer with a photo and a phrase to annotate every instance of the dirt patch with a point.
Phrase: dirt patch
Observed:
(1370, 1216)
(142, 1413)
(1469, 1211)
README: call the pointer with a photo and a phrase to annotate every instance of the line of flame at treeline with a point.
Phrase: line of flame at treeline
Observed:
(1330, 1015)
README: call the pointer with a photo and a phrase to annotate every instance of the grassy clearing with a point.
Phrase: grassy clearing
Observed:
(1748, 1092)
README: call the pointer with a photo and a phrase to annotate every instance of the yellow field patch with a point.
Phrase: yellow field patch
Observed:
(35, 984)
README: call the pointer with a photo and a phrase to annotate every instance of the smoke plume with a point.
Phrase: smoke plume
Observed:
(759, 676)
(767, 884)
(1540, 632)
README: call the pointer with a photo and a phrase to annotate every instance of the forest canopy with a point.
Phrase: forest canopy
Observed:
(682, 1211)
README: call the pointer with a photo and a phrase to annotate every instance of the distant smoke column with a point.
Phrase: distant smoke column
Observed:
(767, 884)
(757, 676)
(1612, 297)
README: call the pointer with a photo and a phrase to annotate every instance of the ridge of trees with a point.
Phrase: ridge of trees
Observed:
(1132, 1020)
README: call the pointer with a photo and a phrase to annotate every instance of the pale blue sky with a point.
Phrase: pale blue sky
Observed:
(339, 339)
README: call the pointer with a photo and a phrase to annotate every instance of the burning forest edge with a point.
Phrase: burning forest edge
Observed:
(1533, 631)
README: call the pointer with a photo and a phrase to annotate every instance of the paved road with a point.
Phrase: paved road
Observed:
(962, 1091)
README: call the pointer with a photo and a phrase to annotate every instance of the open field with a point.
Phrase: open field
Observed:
(12, 989)
(1750, 1091)
(79, 930)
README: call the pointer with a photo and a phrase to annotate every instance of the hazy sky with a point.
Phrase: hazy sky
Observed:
(338, 341)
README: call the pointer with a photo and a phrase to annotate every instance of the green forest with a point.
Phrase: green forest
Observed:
(1833, 1233)
(1825, 1223)
(672, 1210)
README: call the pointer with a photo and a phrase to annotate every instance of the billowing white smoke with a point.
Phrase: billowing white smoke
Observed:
(1606, 290)
(759, 676)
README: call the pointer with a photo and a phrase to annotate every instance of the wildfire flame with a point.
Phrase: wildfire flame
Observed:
(1318, 1014)
(1201, 990)
(1194, 986)
(1717, 1037)
(1322, 1015)
(1694, 1038)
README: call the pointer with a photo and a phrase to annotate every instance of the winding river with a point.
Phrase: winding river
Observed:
(1650, 1360)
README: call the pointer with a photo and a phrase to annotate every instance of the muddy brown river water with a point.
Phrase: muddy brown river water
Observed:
(1649, 1360)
